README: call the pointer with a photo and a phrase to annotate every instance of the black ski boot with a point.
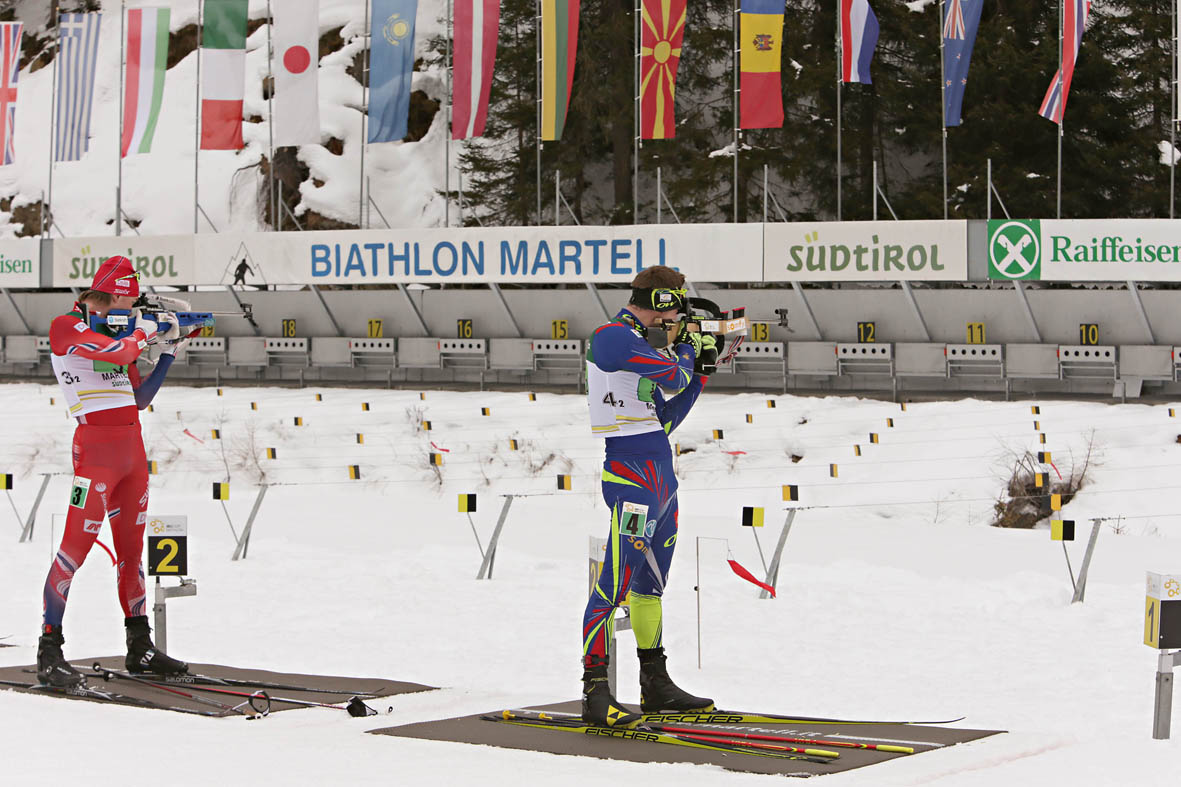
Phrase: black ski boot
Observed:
(142, 655)
(52, 667)
(657, 690)
(598, 706)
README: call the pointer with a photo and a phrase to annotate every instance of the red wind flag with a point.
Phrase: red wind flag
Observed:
(662, 31)
(741, 571)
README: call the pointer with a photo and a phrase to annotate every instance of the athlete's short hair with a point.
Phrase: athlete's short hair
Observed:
(100, 299)
(660, 276)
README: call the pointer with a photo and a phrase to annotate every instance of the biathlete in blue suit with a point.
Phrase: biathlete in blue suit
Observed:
(643, 377)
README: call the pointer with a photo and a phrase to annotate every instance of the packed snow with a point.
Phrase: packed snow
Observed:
(896, 597)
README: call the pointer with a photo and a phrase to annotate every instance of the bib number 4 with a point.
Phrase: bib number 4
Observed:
(610, 399)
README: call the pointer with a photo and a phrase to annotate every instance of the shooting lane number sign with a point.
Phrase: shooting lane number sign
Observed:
(1162, 611)
(168, 546)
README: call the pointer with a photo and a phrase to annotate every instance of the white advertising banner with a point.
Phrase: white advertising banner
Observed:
(520, 255)
(1084, 250)
(866, 251)
(20, 262)
(159, 259)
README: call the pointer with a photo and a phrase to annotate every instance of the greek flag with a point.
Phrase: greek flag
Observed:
(78, 51)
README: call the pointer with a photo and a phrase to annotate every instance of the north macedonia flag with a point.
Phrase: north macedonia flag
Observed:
(661, 33)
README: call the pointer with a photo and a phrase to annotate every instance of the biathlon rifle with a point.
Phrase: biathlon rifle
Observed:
(730, 328)
(154, 306)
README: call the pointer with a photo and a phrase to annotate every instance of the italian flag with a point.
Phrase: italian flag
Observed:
(147, 59)
(223, 74)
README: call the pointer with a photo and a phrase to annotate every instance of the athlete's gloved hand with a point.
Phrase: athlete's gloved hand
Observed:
(707, 357)
(171, 333)
(173, 347)
(691, 338)
(142, 323)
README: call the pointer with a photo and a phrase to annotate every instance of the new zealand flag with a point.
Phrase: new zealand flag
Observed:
(960, 21)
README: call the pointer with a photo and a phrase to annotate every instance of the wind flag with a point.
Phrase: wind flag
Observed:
(559, 45)
(1074, 19)
(859, 36)
(662, 32)
(78, 35)
(143, 89)
(11, 34)
(296, 69)
(760, 86)
(960, 22)
(477, 26)
(390, 69)
(223, 74)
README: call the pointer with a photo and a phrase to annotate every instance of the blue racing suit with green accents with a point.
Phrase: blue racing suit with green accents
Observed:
(638, 395)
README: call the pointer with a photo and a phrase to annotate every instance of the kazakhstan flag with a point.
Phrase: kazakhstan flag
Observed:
(391, 66)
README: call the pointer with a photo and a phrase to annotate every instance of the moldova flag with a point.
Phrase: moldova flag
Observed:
(761, 45)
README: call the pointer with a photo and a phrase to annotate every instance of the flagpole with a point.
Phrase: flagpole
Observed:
(272, 207)
(1173, 117)
(840, 57)
(943, 96)
(122, 77)
(197, 119)
(737, 123)
(537, 69)
(48, 228)
(638, 123)
(1061, 104)
(364, 113)
(450, 119)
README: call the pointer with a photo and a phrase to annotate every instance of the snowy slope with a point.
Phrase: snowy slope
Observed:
(896, 598)
(158, 187)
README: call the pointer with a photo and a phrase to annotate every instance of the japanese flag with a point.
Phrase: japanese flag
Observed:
(296, 66)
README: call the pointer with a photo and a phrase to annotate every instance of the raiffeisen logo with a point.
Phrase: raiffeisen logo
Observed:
(1014, 250)
(874, 256)
(11, 267)
(1111, 248)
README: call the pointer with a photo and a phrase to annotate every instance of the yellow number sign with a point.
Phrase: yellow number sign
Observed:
(559, 329)
(376, 329)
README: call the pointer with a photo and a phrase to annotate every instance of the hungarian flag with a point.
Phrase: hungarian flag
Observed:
(559, 45)
(761, 43)
(296, 67)
(661, 33)
(223, 74)
(1074, 20)
(147, 59)
(477, 25)
(10, 32)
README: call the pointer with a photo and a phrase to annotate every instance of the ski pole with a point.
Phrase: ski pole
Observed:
(783, 739)
(355, 706)
(108, 674)
(193, 680)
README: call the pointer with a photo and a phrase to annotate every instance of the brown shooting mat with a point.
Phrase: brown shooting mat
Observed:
(366, 687)
(474, 730)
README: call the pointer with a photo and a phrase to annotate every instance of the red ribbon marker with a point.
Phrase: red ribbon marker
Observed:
(738, 569)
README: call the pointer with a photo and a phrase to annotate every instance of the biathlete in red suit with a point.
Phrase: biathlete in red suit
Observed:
(105, 393)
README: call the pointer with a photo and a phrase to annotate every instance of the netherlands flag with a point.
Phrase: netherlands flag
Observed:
(859, 36)
(1074, 20)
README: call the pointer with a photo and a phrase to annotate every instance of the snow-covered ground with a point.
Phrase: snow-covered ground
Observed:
(896, 598)
(158, 186)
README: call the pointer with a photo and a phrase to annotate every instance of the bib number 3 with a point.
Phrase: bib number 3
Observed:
(79, 492)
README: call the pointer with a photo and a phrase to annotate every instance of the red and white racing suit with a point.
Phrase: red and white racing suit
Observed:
(98, 377)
